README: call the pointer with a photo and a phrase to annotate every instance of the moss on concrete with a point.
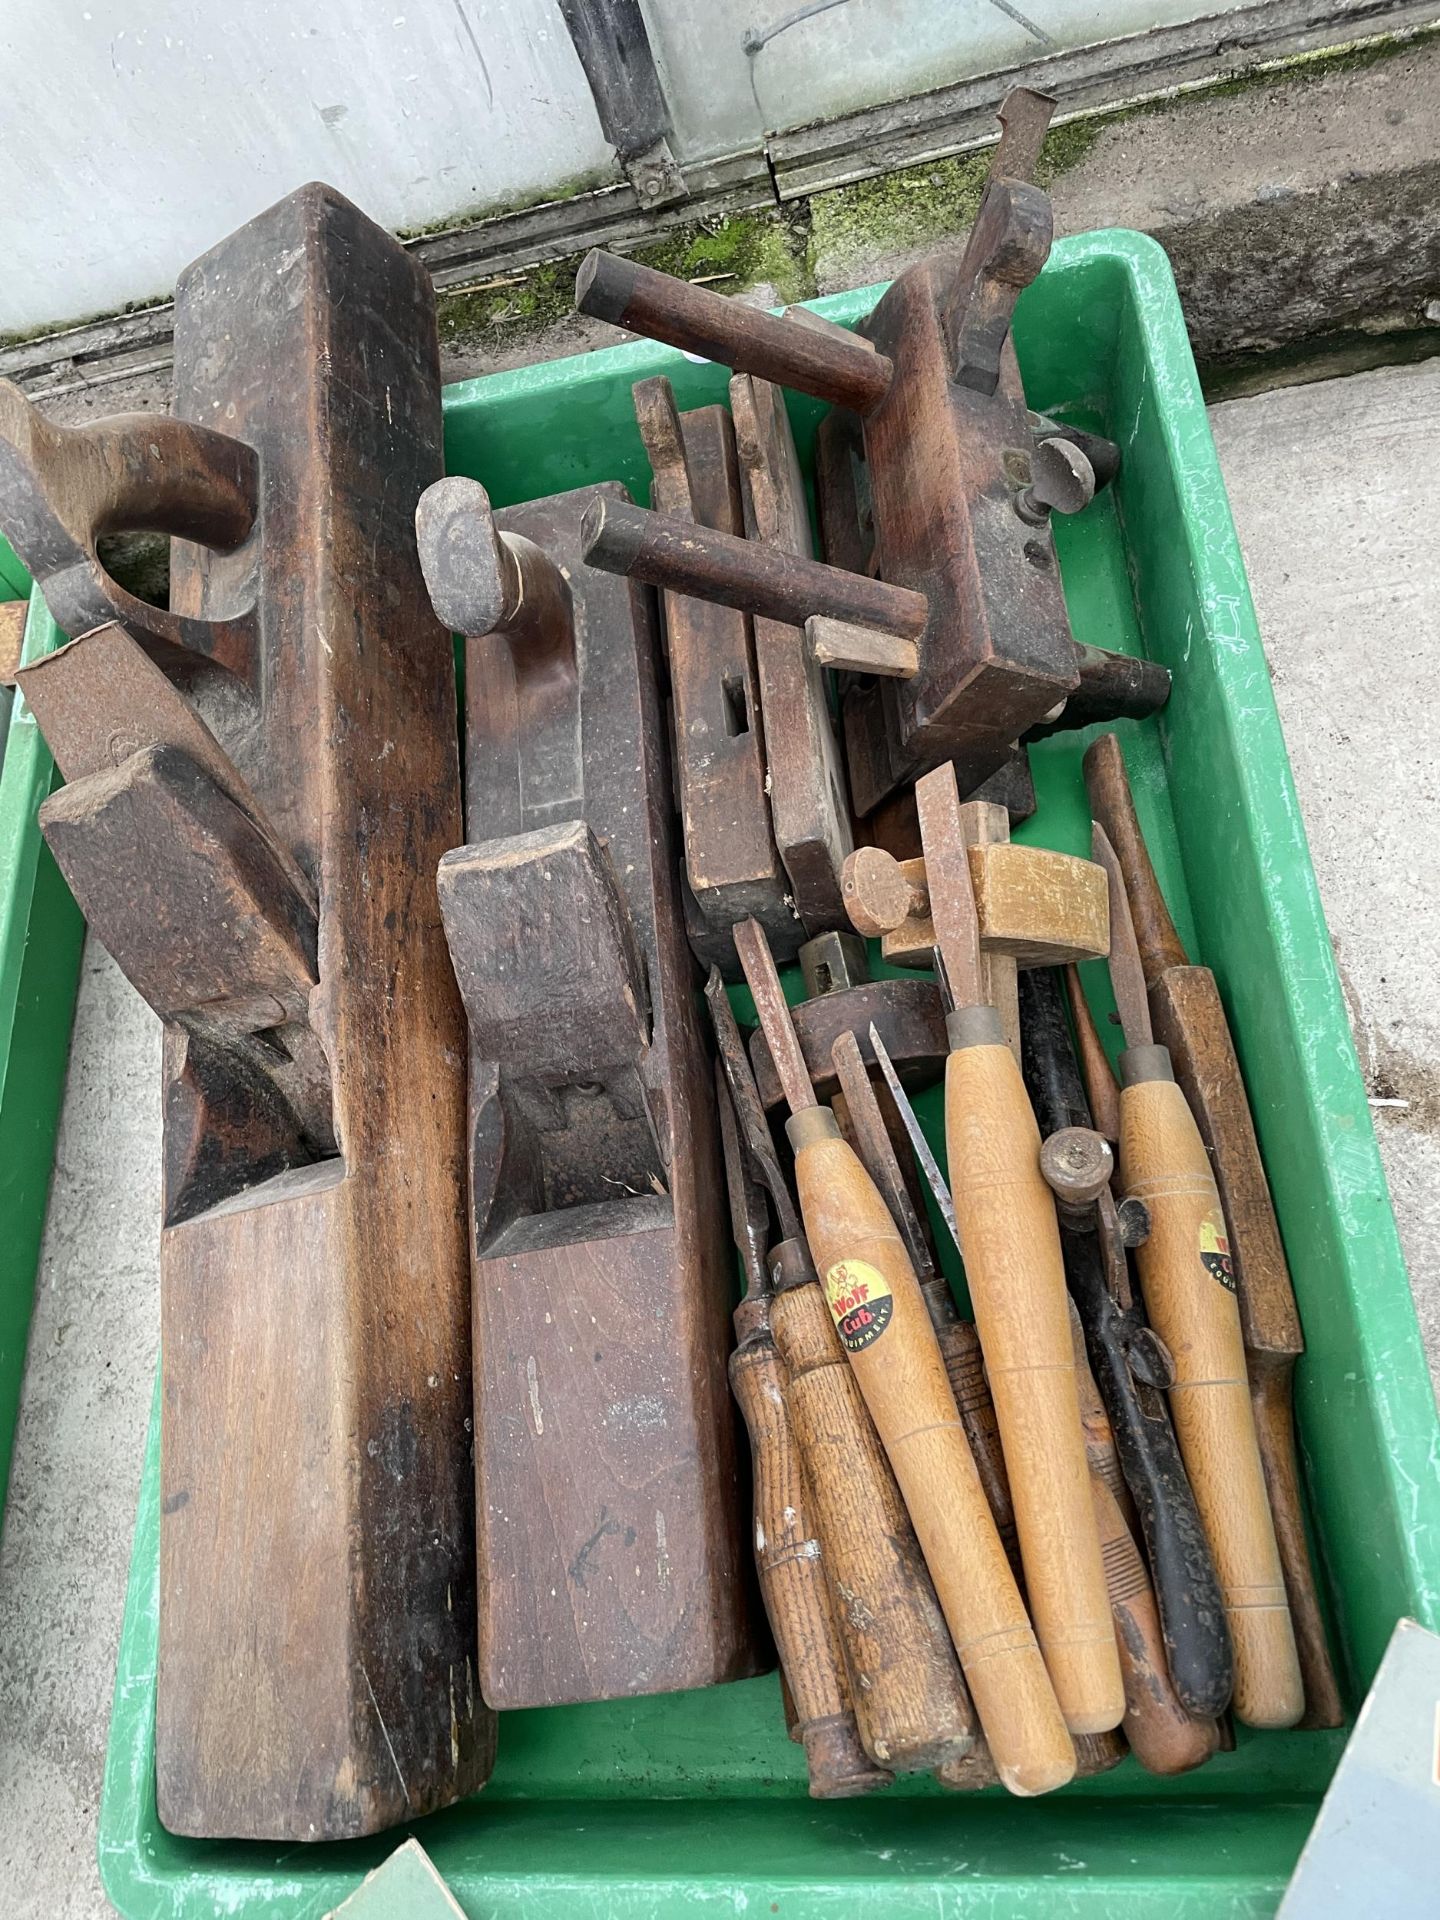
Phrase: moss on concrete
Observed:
(731, 255)
(742, 251)
(919, 207)
(506, 308)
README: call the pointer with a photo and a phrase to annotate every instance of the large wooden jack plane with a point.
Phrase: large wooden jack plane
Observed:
(958, 643)
(261, 780)
(612, 1554)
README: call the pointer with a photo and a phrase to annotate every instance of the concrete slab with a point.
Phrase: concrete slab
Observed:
(90, 1374)
(1331, 502)
(1334, 498)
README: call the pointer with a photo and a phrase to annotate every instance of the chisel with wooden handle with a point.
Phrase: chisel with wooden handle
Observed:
(959, 1342)
(1130, 1365)
(910, 1702)
(883, 1324)
(1189, 1289)
(1189, 1020)
(787, 1553)
(1011, 1248)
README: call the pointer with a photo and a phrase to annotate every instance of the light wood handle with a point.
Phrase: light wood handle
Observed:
(1189, 1295)
(1017, 1284)
(910, 1701)
(884, 1324)
(792, 1583)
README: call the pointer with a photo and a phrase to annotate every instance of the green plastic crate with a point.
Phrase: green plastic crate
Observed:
(696, 1802)
(40, 938)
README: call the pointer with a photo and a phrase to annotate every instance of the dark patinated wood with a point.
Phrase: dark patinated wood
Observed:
(611, 1538)
(1189, 1020)
(314, 1331)
(620, 538)
(907, 1013)
(822, 361)
(317, 1656)
(65, 487)
(732, 869)
(809, 800)
(951, 497)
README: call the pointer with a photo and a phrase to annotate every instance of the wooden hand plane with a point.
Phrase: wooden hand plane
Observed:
(959, 642)
(262, 776)
(612, 1555)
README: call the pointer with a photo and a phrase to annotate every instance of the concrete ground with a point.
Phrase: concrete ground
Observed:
(1331, 503)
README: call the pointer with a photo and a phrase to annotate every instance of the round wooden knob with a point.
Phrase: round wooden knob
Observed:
(877, 896)
(1077, 1164)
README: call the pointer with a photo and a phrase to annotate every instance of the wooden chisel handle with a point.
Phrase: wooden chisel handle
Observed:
(1017, 1284)
(885, 1328)
(910, 1702)
(1189, 1294)
(792, 1582)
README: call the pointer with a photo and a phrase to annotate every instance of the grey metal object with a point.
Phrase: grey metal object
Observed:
(614, 49)
(1376, 1839)
(930, 1166)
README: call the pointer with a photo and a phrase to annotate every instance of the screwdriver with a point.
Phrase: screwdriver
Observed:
(883, 1324)
(1010, 1244)
(1189, 1288)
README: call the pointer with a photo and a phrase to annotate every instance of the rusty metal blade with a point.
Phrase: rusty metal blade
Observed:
(929, 1166)
(749, 1114)
(749, 1216)
(1127, 976)
(1024, 117)
(877, 1150)
(947, 880)
(773, 1013)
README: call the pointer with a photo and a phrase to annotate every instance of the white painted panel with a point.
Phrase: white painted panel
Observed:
(136, 133)
(737, 70)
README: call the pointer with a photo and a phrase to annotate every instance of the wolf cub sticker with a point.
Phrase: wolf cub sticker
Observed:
(861, 1301)
(1215, 1254)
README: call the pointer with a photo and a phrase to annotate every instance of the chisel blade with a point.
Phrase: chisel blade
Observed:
(947, 880)
(1127, 976)
(877, 1150)
(749, 1217)
(928, 1164)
